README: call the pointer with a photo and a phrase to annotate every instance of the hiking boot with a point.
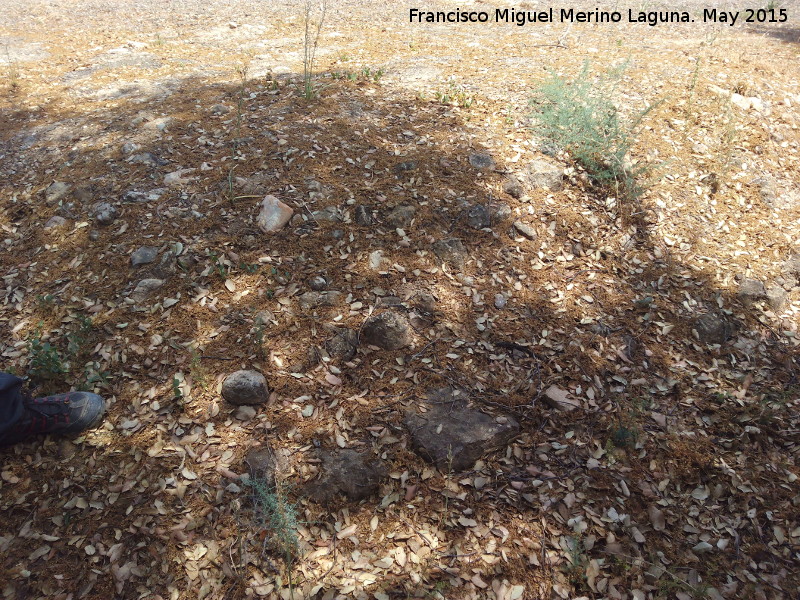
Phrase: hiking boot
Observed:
(64, 414)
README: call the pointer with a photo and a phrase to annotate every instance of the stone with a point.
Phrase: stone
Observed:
(136, 196)
(499, 301)
(345, 473)
(544, 174)
(425, 301)
(389, 330)
(363, 215)
(55, 221)
(451, 252)
(245, 387)
(56, 191)
(481, 161)
(478, 217)
(713, 328)
(143, 256)
(404, 167)
(129, 148)
(776, 296)
(262, 465)
(245, 413)
(179, 178)
(219, 109)
(105, 213)
(146, 287)
(94, 235)
(792, 265)
(498, 211)
(311, 300)
(83, 193)
(274, 215)
(318, 283)
(452, 434)
(329, 214)
(525, 230)
(751, 290)
(401, 216)
(513, 187)
(342, 346)
(147, 158)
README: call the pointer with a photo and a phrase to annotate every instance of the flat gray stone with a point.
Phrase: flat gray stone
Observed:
(245, 387)
(525, 229)
(388, 330)
(451, 252)
(543, 174)
(481, 161)
(452, 434)
(55, 221)
(56, 191)
(146, 287)
(346, 473)
(401, 216)
(315, 299)
(144, 255)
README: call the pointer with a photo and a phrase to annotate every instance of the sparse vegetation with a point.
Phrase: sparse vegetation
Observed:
(313, 20)
(580, 117)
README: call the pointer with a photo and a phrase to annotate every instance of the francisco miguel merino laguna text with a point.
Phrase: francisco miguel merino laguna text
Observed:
(565, 15)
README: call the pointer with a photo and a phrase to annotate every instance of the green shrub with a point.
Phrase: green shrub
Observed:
(580, 117)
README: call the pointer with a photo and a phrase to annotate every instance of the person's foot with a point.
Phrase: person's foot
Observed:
(63, 414)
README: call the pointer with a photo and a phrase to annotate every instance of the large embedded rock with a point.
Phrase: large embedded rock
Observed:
(751, 290)
(451, 252)
(274, 215)
(262, 464)
(453, 435)
(713, 328)
(543, 174)
(389, 331)
(401, 216)
(245, 387)
(348, 473)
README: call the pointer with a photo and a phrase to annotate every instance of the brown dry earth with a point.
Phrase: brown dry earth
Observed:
(669, 469)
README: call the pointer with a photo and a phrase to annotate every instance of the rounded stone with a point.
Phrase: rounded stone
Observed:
(245, 387)
(388, 330)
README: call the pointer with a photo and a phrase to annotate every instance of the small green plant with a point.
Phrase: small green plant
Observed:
(241, 71)
(44, 360)
(12, 74)
(455, 94)
(218, 266)
(575, 568)
(277, 518)
(259, 332)
(199, 372)
(310, 40)
(580, 117)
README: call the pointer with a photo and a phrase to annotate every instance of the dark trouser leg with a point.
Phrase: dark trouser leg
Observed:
(10, 402)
